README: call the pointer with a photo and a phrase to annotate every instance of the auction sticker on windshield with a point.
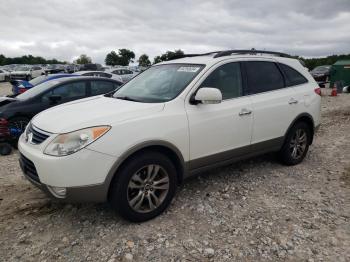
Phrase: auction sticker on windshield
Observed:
(190, 69)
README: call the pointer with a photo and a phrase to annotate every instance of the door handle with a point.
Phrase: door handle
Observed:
(245, 111)
(292, 101)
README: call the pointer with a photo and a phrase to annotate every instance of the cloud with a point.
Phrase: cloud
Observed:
(65, 29)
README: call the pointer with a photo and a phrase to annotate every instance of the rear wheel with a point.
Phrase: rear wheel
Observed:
(296, 144)
(144, 187)
(5, 149)
(28, 77)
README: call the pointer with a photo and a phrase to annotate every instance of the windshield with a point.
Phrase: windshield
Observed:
(38, 80)
(159, 83)
(34, 91)
(22, 68)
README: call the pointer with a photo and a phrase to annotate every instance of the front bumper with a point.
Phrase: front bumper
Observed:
(83, 174)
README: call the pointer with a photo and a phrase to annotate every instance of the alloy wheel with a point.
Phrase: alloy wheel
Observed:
(147, 188)
(298, 143)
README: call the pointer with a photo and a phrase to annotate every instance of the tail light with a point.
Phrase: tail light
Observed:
(21, 90)
(318, 91)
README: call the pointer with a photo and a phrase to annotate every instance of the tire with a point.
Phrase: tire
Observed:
(5, 149)
(130, 192)
(294, 150)
(7, 79)
(28, 77)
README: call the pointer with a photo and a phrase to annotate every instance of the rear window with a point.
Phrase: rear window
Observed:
(263, 77)
(293, 77)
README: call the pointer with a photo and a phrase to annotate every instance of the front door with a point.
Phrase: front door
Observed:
(221, 131)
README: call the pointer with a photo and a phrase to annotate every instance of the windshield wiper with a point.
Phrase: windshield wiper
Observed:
(127, 98)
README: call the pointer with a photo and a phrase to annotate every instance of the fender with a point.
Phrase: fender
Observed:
(303, 116)
(182, 168)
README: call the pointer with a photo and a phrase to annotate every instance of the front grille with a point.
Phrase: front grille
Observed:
(39, 136)
(28, 168)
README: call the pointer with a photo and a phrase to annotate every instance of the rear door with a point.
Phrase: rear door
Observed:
(272, 103)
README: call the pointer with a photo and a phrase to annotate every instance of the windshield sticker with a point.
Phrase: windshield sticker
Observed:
(190, 69)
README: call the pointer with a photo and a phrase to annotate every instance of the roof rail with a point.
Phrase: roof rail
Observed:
(251, 52)
(192, 55)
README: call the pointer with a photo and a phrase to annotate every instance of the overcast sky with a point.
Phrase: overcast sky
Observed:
(63, 29)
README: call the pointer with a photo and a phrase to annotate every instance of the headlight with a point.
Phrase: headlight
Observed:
(69, 143)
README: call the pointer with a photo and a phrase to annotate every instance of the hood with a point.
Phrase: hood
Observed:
(93, 111)
(4, 100)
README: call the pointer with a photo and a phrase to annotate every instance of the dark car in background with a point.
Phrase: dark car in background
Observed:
(19, 110)
(321, 74)
(20, 86)
(91, 67)
(54, 69)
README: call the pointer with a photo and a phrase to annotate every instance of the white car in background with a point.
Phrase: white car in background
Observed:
(27, 72)
(4, 75)
(99, 74)
(123, 73)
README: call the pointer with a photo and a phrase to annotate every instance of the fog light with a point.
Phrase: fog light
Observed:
(59, 192)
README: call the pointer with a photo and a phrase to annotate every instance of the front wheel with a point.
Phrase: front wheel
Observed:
(296, 144)
(29, 77)
(144, 187)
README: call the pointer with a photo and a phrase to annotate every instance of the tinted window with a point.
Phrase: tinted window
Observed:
(228, 79)
(128, 72)
(263, 77)
(69, 91)
(293, 76)
(102, 87)
(117, 72)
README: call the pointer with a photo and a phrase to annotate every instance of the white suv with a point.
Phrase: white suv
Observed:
(173, 120)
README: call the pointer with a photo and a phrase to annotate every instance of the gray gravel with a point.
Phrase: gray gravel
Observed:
(252, 210)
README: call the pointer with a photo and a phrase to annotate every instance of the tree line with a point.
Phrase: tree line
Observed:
(124, 57)
(27, 59)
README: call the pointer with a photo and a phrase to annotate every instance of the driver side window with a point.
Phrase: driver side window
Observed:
(228, 79)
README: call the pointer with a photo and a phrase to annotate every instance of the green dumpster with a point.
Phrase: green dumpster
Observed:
(340, 73)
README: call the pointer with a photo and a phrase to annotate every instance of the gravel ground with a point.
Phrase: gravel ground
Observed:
(252, 210)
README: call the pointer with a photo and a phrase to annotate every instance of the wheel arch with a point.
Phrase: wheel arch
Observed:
(167, 148)
(308, 119)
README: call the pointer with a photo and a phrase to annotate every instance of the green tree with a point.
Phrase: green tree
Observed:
(83, 59)
(168, 55)
(112, 59)
(126, 56)
(144, 60)
(123, 58)
(157, 59)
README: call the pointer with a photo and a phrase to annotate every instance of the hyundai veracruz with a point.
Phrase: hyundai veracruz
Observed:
(177, 118)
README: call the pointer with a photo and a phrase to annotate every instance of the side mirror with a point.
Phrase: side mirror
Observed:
(208, 95)
(54, 99)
